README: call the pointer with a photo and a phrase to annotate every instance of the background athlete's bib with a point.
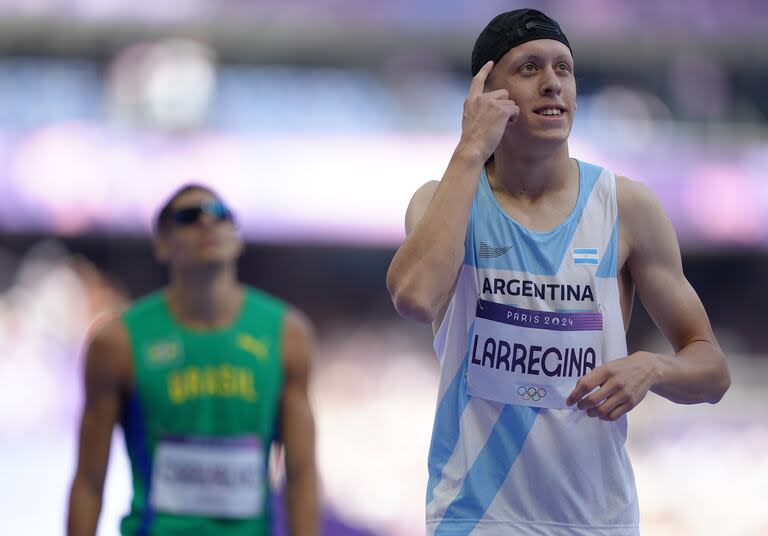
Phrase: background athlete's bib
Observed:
(531, 358)
(209, 477)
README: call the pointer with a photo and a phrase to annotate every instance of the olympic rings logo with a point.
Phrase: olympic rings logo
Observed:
(531, 393)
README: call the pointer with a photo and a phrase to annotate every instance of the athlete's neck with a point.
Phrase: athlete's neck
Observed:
(205, 298)
(530, 176)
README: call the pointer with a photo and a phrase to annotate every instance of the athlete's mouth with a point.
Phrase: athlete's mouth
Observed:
(550, 110)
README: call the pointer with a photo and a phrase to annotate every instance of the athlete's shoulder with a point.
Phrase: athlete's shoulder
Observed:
(298, 324)
(635, 199)
(641, 215)
(110, 332)
(109, 349)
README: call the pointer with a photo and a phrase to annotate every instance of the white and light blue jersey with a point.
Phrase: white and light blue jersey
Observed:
(504, 468)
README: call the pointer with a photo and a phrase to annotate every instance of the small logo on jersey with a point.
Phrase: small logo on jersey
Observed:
(531, 393)
(252, 345)
(585, 256)
(488, 251)
(163, 352)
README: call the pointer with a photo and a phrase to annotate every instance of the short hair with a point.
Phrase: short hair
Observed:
(163, 216)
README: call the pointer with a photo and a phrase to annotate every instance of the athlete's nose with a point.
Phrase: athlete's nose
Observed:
(550, 84)
(207, 220)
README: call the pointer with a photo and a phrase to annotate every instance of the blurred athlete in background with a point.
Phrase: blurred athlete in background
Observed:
(203, 376)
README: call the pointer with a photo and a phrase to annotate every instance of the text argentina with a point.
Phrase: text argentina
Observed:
(534, 360)
(531, 289)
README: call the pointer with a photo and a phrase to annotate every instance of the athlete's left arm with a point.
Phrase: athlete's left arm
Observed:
(298, 427)
(697, 372)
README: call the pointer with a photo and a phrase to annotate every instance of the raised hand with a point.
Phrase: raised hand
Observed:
(486, 115)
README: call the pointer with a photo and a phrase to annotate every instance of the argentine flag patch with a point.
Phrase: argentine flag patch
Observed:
(585, 256)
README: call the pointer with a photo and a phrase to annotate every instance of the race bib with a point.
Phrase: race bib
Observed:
(212, 477)
(531, 358)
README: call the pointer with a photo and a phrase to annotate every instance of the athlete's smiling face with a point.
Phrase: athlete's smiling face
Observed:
(200, 231)
(539, 77)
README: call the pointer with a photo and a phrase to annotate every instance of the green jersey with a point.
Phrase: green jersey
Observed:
(201, 418)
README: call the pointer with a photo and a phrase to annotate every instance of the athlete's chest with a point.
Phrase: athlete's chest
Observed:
(177, 369)
(561, 273)
(540, 216)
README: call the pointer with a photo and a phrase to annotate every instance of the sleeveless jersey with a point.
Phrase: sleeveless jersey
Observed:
(500, 463)
(201, 418)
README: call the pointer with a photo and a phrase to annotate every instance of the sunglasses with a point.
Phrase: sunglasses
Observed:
(191, 215)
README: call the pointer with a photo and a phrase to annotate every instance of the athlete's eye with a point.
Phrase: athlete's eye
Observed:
(527, 68)
(563, 67)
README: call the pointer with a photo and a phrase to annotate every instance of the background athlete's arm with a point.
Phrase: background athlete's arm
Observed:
(298, 428)
(697, 372)
(105, 375)
(423, 272)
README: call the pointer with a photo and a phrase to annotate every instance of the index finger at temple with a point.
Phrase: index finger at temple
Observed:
(477, 87)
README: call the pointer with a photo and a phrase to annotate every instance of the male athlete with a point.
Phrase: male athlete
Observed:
(526, 261)
(203, 376)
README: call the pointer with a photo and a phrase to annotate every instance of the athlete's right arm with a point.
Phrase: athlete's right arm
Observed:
(106, 376)
(423, 272)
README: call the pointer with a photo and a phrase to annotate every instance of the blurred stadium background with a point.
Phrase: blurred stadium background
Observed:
(317, 119)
